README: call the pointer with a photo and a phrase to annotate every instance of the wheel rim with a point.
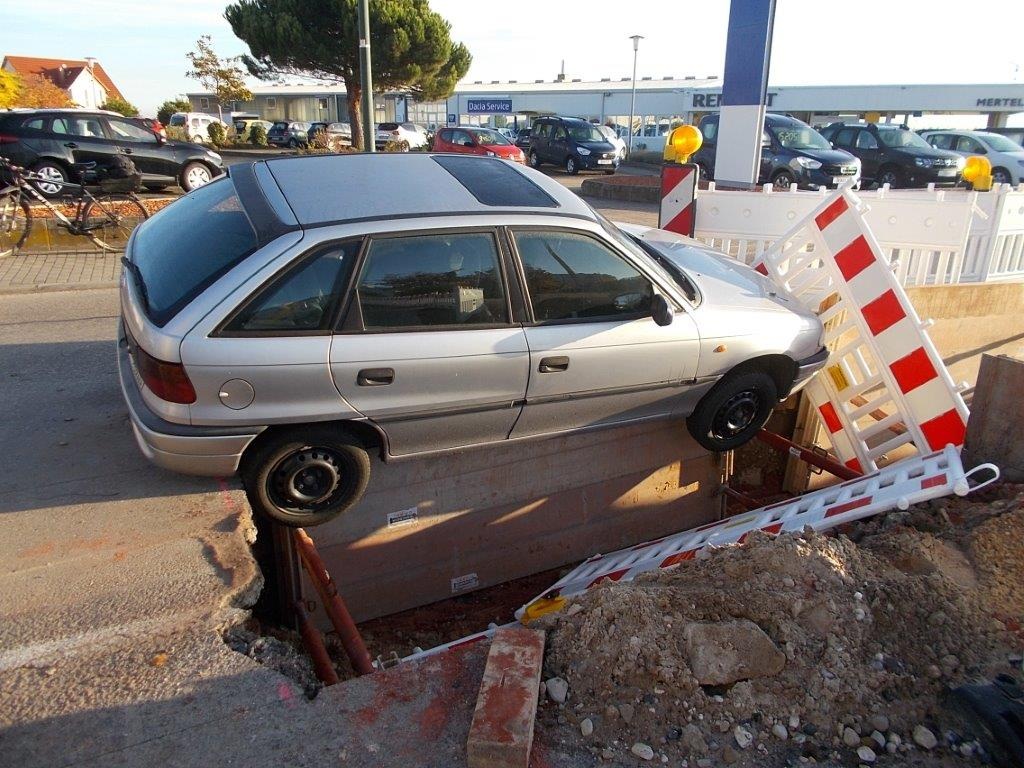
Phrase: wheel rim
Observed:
(52, 179)
(533, 159)
(783, 180)
(888, 178)
(736, 414)
(197, 176)
(306, 480)
(1000, 177)
(570, 165)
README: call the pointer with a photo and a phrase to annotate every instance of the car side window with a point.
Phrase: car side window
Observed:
(35, 124)
(86, 127)
(542, 130)
(710, 129)
(845, 137)
(122, 129)
(438, 281)
(940, 140)
(967, 144)
(303, 299)
(572, 276)
(866, 141)
(560, 134)
(463, 139)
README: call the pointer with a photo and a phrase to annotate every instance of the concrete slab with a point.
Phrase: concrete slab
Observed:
(993, 431)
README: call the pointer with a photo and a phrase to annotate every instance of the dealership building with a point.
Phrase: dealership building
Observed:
(660, 103)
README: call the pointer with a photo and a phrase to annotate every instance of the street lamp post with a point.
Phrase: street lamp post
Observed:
(632, 100)
(366, 76)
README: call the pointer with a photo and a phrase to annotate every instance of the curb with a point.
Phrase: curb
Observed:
(629, 193)
(7, 290)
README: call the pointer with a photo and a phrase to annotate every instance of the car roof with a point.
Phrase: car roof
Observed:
(362, 187)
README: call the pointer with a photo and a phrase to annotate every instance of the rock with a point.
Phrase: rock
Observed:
(626, 712)
(787, 582)
(866, 754)
(891, 748)
(934, 672)
(894, 738)
(924, 738)
(611, 712)
(705, 762)
(850, 737)
(779, 731)
(879, 738)
(641, 750)
(794, 722)
(724, 726)
(729, 755)
(880, 723)
(809, 728)
(744, 738)
(693, 740)
(607, 754)
(557, 689)
(587, 727)
(574, 609)
(860, 614)
(674, 733)
(728, 651)
(966, 749)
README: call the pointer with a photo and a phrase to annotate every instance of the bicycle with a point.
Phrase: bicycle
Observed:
(104, 219)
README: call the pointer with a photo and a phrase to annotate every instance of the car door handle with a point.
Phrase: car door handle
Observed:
(71, 145)
(375, 377)
(553, 364)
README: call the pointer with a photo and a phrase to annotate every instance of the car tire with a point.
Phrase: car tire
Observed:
(55, 175)
(733, 411)
(783, 180)
(195, 175)
(890, 175)
(305, 476)
(570, 166)
(705, 175)
(1001, 176)
(534, 160)
(293, 143)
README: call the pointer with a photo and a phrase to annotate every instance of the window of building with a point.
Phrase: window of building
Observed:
(323, 103)
(271, 102)
(575, 277)
(432, 281)
(204, 102)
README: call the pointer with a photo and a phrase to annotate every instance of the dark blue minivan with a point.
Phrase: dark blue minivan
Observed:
(791, 153)
(572, 143)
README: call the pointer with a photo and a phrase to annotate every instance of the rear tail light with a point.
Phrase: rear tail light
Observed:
(6, 138)
(168, 381)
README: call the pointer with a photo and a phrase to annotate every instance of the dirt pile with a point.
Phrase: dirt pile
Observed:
(802, 646)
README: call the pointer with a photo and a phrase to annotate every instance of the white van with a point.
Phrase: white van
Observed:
(197, 124)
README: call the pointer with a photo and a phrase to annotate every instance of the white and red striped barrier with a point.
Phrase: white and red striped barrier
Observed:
(881, 361)
(678, 212)
(907, 482)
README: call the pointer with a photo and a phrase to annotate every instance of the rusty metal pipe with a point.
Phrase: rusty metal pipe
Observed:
(333, 604)
(314, 644)
(779, 443)
(741, 497)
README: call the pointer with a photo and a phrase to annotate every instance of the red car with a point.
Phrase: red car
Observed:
(471, 140)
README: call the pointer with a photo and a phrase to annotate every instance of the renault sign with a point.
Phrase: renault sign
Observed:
(489, 106)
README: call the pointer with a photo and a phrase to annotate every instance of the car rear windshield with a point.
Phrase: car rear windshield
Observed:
(188, 245)
(178, 120)
(388, 126)
(280, 126)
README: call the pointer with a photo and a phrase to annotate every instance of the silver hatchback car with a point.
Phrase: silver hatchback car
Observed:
(299, 315)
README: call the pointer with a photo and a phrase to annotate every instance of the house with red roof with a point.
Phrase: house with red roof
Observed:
(84, 80)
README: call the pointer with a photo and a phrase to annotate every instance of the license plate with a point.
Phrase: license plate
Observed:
(947, 172)
(837, 180)
(605, 162)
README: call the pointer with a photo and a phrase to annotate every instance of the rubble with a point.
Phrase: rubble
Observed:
(815, 646)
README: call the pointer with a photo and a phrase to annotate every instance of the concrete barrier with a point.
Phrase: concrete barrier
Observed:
(993, 432)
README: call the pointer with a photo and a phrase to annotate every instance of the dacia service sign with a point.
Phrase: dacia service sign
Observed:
(489, 106)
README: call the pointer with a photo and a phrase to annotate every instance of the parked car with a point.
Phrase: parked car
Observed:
(336, 133)
(522, 139)
(571, 143)
(51, 142)
(150, 124)
(791, 153)
(414, 136)
(286, 323)
(1016, 135)
(285, 133)
(477, 141)
(196, 124)
(614, 139)
(243, 126)
(894, 155)
(1007, 158)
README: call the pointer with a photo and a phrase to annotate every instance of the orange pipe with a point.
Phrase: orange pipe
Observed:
(779, 443)
(315, 647)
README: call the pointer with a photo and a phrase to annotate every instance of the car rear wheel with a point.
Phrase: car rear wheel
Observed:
(306, 476)
(195, 175)
(534, 160)
(890, 175)
(570, 166)
(293, 143)
(1001, 176)
(52, 178)
(733, 411)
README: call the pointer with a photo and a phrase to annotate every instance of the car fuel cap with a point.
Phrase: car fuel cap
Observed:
(236, 394)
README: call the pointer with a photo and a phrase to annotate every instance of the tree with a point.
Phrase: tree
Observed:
(40, 92)
(411, 46)
(122, 106)
(221, 76)
(10, 87)
(169, 107)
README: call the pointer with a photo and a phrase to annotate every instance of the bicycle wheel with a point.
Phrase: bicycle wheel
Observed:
(15, 223)
(110, 219)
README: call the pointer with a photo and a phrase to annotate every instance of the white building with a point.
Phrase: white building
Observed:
(85, 81)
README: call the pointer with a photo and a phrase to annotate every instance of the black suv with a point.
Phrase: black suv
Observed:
(50, 141)
(895, 155)
(791, 153)
(571, 143)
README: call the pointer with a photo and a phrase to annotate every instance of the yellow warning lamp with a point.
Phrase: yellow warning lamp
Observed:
(978, 171)
(682, 142)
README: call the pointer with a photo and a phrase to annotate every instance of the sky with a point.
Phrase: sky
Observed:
(143, 45)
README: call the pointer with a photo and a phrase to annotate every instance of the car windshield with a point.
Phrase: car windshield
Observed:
(186, 246)
(583, 132)
(177, 120)
(999, 143)
(797, 137)
(487, 138)
(898, 138)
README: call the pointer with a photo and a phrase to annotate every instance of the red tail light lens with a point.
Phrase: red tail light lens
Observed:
(168, 381)
(6, 138)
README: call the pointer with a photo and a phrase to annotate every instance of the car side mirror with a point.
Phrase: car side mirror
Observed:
(160, 139)
(661, 310)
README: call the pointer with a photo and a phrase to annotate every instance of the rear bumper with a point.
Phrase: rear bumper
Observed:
(807, 367)
(213, 451)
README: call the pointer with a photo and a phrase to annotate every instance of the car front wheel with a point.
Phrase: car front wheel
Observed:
(890, 176)
(1001, 176)
(733, 411)
(783, 180)
(534, 160)
(570, 166)
(306, 476)
(195, 175)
